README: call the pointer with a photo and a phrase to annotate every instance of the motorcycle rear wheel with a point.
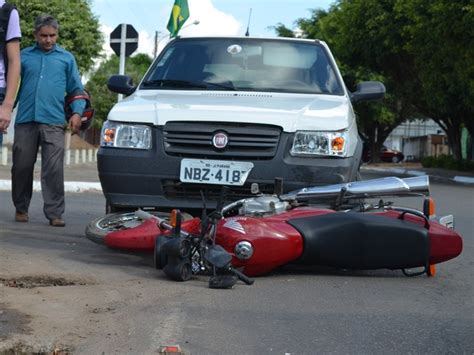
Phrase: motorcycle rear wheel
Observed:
(98, 228)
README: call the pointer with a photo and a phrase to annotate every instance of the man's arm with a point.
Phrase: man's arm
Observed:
(14, 68)
(74, 85)
(13, 78)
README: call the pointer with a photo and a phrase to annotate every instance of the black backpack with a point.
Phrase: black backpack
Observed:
(5, 12)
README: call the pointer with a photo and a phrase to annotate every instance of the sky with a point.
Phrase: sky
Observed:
(216, 17)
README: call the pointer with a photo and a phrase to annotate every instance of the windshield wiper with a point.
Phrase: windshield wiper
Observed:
(229, 87)
(171, 83)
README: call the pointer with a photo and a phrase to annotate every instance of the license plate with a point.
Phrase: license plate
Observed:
(218, 172)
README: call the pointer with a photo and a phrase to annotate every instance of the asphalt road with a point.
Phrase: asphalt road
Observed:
(117, 302)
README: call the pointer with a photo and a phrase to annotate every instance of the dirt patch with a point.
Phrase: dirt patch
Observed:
(39, 281)
(12, 321)
(24, 349)
(15, 322)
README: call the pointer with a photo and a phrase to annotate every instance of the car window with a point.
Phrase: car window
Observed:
(244, 64)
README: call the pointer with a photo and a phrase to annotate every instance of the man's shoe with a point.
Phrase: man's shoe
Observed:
(57, 222)
(21, 217)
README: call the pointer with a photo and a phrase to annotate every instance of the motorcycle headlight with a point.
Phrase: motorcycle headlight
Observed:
(123, 135)
(307, 143)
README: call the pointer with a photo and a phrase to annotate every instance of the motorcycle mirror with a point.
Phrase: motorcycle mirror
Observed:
(217, 256)
(278, 188)
(222, 198)
(175, 221)
(222, 281)
(204, 217)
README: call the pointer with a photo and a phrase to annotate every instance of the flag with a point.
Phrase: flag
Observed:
(179, 15)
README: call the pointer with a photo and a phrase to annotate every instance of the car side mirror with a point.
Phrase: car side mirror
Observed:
(368, 90)
(121, 84)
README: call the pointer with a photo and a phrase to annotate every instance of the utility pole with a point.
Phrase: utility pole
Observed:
(155, 50)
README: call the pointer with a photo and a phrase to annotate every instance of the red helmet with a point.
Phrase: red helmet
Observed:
(87, 115)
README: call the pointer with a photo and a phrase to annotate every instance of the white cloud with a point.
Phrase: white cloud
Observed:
(106, 30)
(146, 42)
(212, 22)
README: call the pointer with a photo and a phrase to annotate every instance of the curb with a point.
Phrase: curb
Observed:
(465, 180)
(69, 186)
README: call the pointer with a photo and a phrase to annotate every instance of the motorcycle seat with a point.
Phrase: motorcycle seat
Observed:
(362, 241)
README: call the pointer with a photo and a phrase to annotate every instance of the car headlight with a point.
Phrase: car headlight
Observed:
(123, 135)
(308, 143)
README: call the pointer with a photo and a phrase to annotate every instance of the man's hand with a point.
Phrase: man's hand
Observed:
(75, 123)
(5, 117)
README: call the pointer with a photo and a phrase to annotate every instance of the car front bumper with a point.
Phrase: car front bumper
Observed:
(150, 178)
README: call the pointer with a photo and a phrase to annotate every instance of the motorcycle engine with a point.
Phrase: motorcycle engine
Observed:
(263, 205)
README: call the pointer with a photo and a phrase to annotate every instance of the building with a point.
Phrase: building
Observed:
(417, 139)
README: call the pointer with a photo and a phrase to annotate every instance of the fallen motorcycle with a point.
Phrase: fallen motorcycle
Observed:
(335, 226)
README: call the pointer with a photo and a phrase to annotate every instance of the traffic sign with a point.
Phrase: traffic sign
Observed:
(124, 34)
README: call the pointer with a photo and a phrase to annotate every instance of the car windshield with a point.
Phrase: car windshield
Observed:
(244, 64)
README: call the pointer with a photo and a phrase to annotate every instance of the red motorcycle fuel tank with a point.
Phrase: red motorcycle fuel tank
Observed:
(273, 241)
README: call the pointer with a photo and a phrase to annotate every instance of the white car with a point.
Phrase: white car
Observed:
(235, 111)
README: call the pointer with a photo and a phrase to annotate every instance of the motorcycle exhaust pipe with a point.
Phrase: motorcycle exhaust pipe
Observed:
(389, 186)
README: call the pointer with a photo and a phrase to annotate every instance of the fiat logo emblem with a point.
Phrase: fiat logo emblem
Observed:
(220, 140)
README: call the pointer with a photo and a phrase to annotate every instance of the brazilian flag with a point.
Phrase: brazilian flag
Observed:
(179, 15)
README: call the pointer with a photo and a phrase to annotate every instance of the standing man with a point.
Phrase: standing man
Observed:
(48, 72)
(10, 35)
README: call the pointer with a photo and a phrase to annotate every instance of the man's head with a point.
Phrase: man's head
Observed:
(46, 31)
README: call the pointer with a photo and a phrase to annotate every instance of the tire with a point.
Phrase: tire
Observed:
(179, 272)
(395, 159)
(178, 247)
(160, 257)
(97, 229)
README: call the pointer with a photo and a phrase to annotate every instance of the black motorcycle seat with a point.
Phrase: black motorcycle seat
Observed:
(362, 241)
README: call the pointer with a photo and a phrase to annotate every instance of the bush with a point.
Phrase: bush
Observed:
(447, 162)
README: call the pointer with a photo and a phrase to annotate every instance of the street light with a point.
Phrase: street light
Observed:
(159, 39)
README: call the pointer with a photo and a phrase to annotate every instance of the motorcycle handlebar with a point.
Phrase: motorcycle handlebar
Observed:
(162, 223)
(241, 276)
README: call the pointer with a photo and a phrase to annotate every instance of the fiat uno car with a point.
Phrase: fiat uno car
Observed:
(234, 111)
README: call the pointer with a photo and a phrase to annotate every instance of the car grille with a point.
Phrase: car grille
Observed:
(189, 139)
(177, 189)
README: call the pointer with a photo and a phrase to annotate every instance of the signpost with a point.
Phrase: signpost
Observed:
(123, 41)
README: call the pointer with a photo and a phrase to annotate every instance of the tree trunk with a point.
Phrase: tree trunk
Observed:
(454, 140)
(470, 140)
(453, 131)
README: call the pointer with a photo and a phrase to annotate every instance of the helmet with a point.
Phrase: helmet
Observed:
(87, 115)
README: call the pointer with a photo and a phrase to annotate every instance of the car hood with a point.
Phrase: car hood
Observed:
(289, 111)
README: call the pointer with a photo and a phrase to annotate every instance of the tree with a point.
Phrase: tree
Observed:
(78, 27)
(439, 35)
(103, 99)
(282, 30)
(422, 49)
(375, 119)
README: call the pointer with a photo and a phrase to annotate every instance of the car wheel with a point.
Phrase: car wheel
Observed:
(395, 159)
